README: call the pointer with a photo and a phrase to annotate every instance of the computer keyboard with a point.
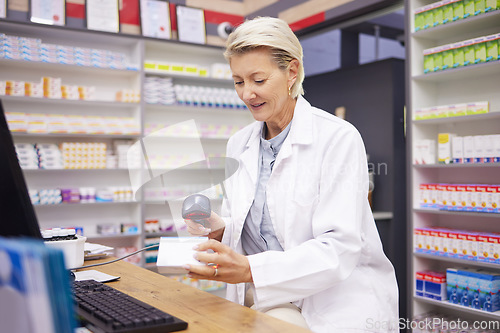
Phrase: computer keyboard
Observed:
(106, 309)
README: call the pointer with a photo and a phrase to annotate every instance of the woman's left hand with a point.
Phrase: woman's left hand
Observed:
(225, 264)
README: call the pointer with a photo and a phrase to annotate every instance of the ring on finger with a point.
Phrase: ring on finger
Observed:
(216, 270)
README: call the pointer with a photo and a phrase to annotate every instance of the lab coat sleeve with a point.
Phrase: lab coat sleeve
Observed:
(334, 251)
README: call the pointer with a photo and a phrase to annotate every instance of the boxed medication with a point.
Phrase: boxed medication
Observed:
(478, 108)
(419, 18)
(479, 148)
(452, 285)
(458, 10)
(457, 147)
(479, 50)
(482, 198)
(448, 11)
(435, 285)
(489, 286)
(469, 52)
(457, 110)
(447, 52)
(444, 147)
(469, 149)
(458, 54)
(496, 147)
(438, 13)
(479, 7)
(491, 198)
(469, 8)
(176, 252)
(492, 5)
(425, 151)
(492, 47)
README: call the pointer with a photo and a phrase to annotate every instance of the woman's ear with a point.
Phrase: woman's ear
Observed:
(293, 70)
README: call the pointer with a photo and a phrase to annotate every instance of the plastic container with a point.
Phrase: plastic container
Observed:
(73, 250)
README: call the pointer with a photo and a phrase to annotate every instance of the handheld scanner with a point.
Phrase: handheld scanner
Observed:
(196, 208)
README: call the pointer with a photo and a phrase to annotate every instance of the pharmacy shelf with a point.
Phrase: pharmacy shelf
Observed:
(457, 261)
(460, 27)
(186, 138)
(491, 68)
(72, 136)
(455, 213)
(79, 171)
(73, 69)
(55, 101)
(160, 234)
(76, 204)
(456, 166)
(448, 120)
(193, 78)
(97, 237)
(197, 109)
(458, 308)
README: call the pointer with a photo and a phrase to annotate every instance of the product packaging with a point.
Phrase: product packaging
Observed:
(447, 56)
(492, 46)
(479, 50)
(444, 147)
(469, 52)
(479, 148)
(492, 5)
(469, 149)
(458, 54)
(457, 147)
(458, 10)
(469, 8)
(479, 7)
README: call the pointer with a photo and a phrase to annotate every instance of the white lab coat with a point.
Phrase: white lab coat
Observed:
(333, 266)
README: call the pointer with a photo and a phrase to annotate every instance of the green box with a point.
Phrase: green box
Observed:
(428, 61)
(492, 46)
(419, 19)
(438, 60)
(469, 53)
(479, 50)
(479, 7)
(428, 19)
(492, 5)
(458, 10)
(437, 16)
(448, 13)
(458, 55)
(469, 8)
(447, 56)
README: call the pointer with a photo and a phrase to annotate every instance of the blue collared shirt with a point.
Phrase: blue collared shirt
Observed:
(258, 233)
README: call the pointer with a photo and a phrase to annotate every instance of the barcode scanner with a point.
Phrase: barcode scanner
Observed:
(196, 208)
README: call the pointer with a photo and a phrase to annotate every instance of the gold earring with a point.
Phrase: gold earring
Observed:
(289, 91)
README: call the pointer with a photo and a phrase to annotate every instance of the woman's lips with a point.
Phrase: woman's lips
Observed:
(256, 106)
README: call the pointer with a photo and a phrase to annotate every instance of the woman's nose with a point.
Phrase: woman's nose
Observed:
(248, 94)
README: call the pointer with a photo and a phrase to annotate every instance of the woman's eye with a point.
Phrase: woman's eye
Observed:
(259, 81)
(238, 82)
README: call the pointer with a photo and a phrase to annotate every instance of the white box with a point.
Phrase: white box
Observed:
(496, 147)
(176, 252)
(469, 149)
(425, 152)
(457, 147)
(479, 150)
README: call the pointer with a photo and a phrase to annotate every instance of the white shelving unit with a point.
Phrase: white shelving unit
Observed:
(466, 84)
(108, 81)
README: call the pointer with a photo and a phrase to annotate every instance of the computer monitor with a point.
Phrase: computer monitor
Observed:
(17, 216)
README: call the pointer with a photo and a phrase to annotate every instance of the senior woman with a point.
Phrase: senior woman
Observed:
(296, 232)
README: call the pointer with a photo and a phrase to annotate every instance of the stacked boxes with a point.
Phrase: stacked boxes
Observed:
(431, 284)
(461, 197)
(475, 288)
(461, 244)
(464, 53)
(442, 12)
(452, 110)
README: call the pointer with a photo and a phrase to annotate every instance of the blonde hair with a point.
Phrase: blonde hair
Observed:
(271, 33)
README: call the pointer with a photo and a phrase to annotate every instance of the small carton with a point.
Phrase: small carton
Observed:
(454, 243)
(438, 13)
(427, 240)
(482, 198)
(419, 283)
(444, 147)
(491, 5)
(457, 147)
(429, 16)
(442, 195)
(425, 201)
(454, 197)
(489, 149)
(469, 52)
(469, 149)
(462, 192)
(484, 248)
(435, 285)
(496, 147)
(492, 195)
(492, 46)
(452, 285)
(432, 188)
(436, 241)
(489, 285)
(472, 198)
(448, 11)
(445, 242)
(478, 108)
(462, 284)
(447, 53)
(479, 148)
(438, 59)
(469, 8)
(458, 54)
(494, 240)
(458, 10)
(175, 252)
(429, 60)
(419, 15)
(479, 7)
(457, 110)
(418, 241)
(480, 50)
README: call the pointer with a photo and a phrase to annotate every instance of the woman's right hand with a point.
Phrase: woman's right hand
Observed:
(212, 227)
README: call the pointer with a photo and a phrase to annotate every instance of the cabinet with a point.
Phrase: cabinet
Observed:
(213, 124)
(467, 84)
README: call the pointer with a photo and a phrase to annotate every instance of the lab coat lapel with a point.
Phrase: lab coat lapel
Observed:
(247, 181)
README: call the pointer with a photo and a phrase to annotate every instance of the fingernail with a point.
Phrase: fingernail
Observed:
(195, 247)
(195, 256)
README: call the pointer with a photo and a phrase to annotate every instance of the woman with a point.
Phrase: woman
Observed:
(296, 232)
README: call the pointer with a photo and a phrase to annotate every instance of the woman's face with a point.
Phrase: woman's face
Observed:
(262, 85)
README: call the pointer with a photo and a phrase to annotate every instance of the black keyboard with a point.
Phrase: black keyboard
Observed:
(105, 309)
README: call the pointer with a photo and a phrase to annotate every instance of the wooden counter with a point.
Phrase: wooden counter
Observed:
(203, 311)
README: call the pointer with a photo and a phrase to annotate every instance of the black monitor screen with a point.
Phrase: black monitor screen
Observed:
(17, 216)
